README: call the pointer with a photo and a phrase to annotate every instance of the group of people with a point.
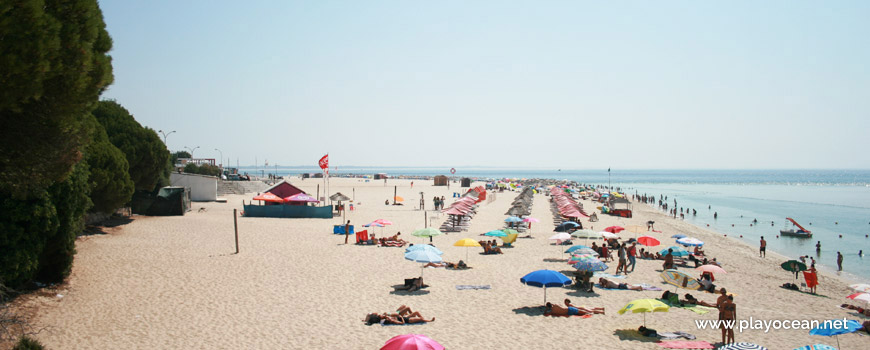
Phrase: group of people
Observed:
(439, 202)
(490, 247)
(624, 252)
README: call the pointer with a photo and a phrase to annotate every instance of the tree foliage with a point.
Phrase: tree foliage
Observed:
(146, 154)
(204, 169)
(71, 199)
(110, 183)
(23, 227)
(53, 66)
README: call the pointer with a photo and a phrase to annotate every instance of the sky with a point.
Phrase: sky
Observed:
(521, 84)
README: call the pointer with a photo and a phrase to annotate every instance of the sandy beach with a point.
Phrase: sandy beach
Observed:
(174, 283)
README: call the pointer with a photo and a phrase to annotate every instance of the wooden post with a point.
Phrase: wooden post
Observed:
(236, 227)
(425, 219)
(395, 189)
(318, 191)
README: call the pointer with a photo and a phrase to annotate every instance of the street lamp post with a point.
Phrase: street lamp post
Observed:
(222, 158)
(191, 150)
(165, 134)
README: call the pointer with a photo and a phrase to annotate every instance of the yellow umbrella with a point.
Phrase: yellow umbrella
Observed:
(644, 306)
(466, 242)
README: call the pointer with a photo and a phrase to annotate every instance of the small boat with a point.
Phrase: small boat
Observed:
(796, 231)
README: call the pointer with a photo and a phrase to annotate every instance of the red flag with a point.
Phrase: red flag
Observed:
(324, 162)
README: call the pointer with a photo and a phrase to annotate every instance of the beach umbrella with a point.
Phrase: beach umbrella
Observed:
(835, 328)
(384, 222)
(648, 241)
(269, 197)
(590, 265)
(793, 266)
(301, 197)
(412, 342)
(338, 197)
(495, 233)
(586, 234)
(375, 224)
(689, 241)
(560, 237)
(585, 251)
(466, 242)
(567, 225)
(509, 231)
(675, 251)
(680, 279)
(423, 256)
(398, 199)
(424, 247)
(860, 296)
(513, 219)
(530, 219)
(678, 236)
(427, 232)
(580, 257)
(544, 279)
(861, 287)
(816, 347)
(575, 247)
(710, 268)
(614, 229)
(608, 235)
(644, 306)
(742, 346)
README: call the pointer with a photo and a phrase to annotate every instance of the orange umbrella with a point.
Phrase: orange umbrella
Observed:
(268, 197)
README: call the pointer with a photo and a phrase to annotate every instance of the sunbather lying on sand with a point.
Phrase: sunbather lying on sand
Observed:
(865, 312)
(404, 316)
(460, 265)
(606, 283)
(689, 300)
(556, 310)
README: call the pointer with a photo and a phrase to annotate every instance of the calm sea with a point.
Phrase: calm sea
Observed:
(830, 203)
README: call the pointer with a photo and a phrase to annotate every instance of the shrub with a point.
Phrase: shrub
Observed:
(28, 343)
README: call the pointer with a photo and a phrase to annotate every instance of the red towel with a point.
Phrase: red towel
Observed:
(686, 344)
(812, 279)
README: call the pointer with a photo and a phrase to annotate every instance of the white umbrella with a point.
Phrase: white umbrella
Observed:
(861, 287)
(608, 235)
(560, 237)
(689, 241)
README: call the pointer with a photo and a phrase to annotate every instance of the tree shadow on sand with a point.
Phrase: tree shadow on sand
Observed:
(633, 335)
(529, 311)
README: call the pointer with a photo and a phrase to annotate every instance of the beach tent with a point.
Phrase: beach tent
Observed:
(440, 180)
(284, 189)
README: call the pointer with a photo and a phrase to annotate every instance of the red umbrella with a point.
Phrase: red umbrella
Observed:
(614, 229)
(268, 197)
(412, 342)
(300, 197)
(648, 241)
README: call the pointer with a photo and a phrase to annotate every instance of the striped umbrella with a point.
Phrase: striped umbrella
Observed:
(680, 279)
(590, 265)
(689, 241)
(742, 346)
(816, 347)
(861, 287)
(865, 297)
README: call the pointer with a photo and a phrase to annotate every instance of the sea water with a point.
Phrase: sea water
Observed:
(830, 203)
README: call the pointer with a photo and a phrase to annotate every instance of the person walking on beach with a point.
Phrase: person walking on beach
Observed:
(762, 248)
(632, 251)
(346, 231)
(839, 261)
(621, 254)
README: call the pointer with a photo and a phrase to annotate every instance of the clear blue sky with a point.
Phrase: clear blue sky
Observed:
(562, 84)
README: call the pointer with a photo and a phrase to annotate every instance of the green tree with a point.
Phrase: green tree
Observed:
(109, 180)
(179, 154)
(71, 199)
(53, 66)
(24, 226)
(191, 168)
(146, 154)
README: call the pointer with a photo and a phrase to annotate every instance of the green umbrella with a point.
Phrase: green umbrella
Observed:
(510, 231)
(427, 232)
(794, 266)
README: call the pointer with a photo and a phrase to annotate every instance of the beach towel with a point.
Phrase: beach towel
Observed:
(392, 244)
(607, 275)
(468, 286)
(650, 287)
(698, 309)
(811, 278)
(684, 344)
(675, 335)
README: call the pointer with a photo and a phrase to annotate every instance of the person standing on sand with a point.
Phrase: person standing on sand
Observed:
(818, 247)
(762, 248)
(632, 251)
(620, 252)
(346, 231)
(839, 261)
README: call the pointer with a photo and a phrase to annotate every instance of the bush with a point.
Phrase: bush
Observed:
(24, 225)
(71, 200)
(109, 180)
(28, 343)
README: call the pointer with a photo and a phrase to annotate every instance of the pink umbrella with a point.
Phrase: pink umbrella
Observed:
(300, 197)
(648, 241)
(710, 269)
(530, 220)
(384, 222)
(412, 342)
(614, 229)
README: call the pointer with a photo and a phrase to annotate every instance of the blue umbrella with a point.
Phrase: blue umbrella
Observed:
(573, 248)
(590, 265)
(678, 236)
(835, 328)
(423, 247)
(423, 256)
(495, 233)
(677, 251)
(513, 219)
(544, 279)
(565, 226)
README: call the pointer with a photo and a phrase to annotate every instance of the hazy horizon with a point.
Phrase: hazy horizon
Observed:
(592, 85)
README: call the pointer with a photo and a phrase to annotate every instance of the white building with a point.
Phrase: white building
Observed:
(203, 188)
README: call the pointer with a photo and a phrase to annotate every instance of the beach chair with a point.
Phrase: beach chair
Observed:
(510, 239)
